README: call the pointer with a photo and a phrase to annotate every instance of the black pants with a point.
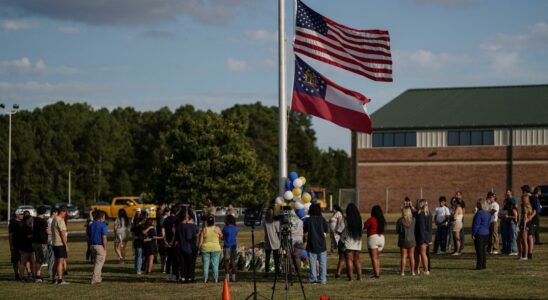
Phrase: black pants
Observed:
(441, 238)
(536, 231)
(481, 242)
(172, 263)
(276, 260)
(187, 263)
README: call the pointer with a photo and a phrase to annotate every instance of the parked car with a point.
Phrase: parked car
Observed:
(544, 199)
(221, 212)
(72, 211)
(128, 203)
(22, 208)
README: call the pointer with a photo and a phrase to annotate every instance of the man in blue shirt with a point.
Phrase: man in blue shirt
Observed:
(98, 232)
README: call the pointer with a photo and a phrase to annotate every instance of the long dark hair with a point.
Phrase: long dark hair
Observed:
(315, 210)
(376, 212)
(123, 216)
(353, 222)
(336, 207)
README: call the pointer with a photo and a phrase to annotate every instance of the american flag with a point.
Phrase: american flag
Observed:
(364, 52)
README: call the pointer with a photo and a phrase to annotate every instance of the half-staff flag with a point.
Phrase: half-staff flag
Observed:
(364, 52)
(316, 95)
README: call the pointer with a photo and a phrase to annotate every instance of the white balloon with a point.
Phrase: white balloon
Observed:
(288, 195)
(297, 183)
(297, 198)
(307, 206)
(299, 205)
(279, 200)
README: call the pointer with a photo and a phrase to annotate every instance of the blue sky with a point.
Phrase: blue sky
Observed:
(216, 53)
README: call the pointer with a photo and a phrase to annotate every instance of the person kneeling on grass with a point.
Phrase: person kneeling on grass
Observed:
(230, 252)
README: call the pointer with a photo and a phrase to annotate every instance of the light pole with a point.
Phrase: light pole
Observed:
(14, 109)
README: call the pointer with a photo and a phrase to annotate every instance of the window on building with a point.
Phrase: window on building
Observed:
(470, 137)
(394, 139)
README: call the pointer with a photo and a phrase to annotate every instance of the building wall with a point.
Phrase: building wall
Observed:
(386, 175)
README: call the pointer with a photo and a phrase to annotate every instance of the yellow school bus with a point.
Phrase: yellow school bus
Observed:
(321, 196)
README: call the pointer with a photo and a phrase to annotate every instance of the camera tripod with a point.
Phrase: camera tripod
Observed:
(286, 261)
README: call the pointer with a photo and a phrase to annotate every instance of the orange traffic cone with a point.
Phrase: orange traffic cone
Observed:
(226, 291)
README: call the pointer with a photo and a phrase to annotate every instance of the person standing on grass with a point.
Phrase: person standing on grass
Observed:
(316, 229)
(458, 217)
(494, 208)
(25, 250)
(230, 249)
(121, 229)
(335, 223)
(172, 262)
(209, 242)
(375, 237)
(98, 240)
(231, 210)
(14, 230)
(150, 247)
(423, 236)
(40, 241)
(525, 238)
(352, 239)
(162, 247)
(60, 245)
(441, 217)
(185, 243)
(532, 227)
(50, 257)
(462, 204)
(405, 228)
(137, 235)
(271, 241)
(535, 203)
(480, 232)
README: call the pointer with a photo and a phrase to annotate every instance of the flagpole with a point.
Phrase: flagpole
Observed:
(282, 105)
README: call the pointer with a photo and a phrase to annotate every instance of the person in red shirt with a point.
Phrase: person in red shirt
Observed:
(375, 237)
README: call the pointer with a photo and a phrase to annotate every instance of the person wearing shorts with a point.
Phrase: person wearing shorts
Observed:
(230, 252)
(375, 237)
(352, 240)
(59, 245)
(40, 241)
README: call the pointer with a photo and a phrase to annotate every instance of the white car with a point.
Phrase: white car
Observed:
(22, 208)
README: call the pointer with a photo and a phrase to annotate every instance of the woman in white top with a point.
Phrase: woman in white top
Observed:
(121, 230)
(352, 238)
(336, 223)
(458, 216)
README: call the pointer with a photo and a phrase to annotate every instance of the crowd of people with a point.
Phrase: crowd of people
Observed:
(178, 235)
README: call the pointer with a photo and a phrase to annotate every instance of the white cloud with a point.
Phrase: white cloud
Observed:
(10, 25)
(236, 65)
(535, 37)
(69, 29)
(25, 66)
(429, 60)
(262, 35)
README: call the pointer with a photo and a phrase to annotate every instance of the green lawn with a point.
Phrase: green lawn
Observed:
(451, 278)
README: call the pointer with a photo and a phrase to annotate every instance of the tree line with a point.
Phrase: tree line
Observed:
(181, 156)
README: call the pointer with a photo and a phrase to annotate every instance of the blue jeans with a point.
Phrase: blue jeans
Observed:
(212, 257)
(313, 276)
(138, 253)
(441, 238)
(51, 261)
(513, 237)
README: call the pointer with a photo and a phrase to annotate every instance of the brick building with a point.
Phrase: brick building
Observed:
(432, 142)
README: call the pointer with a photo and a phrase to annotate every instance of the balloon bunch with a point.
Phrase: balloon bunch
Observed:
(295, 195)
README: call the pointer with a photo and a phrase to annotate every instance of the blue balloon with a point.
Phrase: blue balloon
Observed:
(292, 176)
(304, 254)
(288, 185)
(300, 213)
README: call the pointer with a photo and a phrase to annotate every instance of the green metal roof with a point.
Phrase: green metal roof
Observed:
(472, 107)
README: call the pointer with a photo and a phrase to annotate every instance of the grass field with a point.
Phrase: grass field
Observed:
(451, 278)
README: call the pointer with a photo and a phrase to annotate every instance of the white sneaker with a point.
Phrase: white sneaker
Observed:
(402, 274)
(427, 273)
(413, 274)
(495, 252)
(513, 254)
